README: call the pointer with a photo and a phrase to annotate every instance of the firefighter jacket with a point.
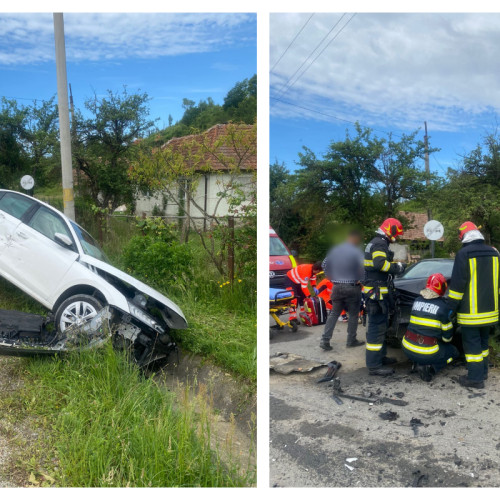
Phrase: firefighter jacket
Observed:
(429, 318)
(473, 292)
(378, 265)
(302, 275)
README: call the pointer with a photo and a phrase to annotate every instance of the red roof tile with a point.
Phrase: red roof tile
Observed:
(415, 229)
(241, 153)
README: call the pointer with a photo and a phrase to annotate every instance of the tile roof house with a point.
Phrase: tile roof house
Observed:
(225, 153)
(415, 230)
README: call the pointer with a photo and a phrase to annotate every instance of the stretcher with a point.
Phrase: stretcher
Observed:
(282, 302)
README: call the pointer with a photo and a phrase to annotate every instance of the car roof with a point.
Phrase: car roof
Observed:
(36, 199)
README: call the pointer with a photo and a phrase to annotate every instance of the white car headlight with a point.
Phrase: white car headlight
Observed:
(143, 316)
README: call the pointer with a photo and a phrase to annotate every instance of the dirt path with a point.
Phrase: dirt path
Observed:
(312, 436)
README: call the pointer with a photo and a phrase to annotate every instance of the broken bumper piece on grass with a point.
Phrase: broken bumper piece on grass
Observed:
(24, 334)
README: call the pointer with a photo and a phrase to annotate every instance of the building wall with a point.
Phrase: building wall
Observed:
(215, 205)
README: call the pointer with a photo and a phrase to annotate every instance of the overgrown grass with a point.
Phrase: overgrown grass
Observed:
(107, 425)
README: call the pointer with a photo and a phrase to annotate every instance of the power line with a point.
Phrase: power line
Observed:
(291, 43)
(324, 48)
(21, 98)
(310, 55)
(329, 115)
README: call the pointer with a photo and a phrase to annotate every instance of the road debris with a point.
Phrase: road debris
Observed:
(415, 423)
(333, 368)
(286, 363)
(389, 415)
(349, 467)
(350, 460)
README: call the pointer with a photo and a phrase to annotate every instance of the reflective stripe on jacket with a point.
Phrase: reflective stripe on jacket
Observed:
(474, 285)
(302, 275)
(431, 318)
(378, 263)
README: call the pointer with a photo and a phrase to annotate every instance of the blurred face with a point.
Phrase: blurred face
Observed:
(354, 239)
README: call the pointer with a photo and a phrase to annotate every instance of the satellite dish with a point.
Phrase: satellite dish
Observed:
(433, 230)
(27, 182)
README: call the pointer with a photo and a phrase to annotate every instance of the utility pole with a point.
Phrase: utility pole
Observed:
(64, 130)
(73, 128)
(428, 181)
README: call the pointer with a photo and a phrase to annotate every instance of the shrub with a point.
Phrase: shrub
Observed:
(156, 256)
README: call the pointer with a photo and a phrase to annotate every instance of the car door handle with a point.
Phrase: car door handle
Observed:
(22, 235)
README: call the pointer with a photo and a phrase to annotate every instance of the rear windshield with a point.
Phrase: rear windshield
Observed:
(276, 247)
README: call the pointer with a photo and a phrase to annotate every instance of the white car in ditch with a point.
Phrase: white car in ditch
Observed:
(55, 261)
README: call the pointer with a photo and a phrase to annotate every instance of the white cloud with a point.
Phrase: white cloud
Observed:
(29, 38)
(392, 69)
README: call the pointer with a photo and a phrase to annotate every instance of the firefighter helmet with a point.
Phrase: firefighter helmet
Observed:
(437, 283)
(392, 228)
(465, 228)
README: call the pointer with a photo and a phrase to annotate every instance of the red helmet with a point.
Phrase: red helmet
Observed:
(437, 283)
(465, 228)
(392, 228)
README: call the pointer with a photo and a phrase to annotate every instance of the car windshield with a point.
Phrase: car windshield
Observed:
(276, 247)
(425, 268)
(89, 245)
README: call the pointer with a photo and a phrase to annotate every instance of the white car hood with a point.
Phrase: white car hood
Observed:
(177, 318)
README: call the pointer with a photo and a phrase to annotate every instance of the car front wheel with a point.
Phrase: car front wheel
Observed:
(76, 310)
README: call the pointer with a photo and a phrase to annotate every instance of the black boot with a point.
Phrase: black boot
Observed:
(381, 372)
(389, 361)
(465, 382)
(426, 372)
(356, 343)
(325, 345)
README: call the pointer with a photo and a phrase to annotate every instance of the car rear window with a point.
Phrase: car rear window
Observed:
(15, 205)
(425, 268)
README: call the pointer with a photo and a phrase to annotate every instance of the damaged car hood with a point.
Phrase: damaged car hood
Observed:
(176, 318)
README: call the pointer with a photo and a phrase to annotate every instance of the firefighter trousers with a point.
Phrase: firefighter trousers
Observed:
(475, 342)
(445, 355)
(376, 348)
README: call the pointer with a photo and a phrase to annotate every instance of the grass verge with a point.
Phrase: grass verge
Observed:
(103, 424)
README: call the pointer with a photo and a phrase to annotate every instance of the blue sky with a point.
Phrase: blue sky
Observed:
(390, 72)
(169, 56)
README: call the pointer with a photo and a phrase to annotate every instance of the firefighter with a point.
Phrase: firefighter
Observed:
(427, 340)
(302, 275)
(474, 296)
(378, 267)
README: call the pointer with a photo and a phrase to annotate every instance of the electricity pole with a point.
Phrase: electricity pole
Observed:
(428, 181)
(64, 130)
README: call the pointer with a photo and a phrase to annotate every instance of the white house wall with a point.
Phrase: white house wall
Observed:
(215, 183)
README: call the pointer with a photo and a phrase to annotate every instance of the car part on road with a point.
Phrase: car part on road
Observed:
(389, 415)
(333, 368)
(367, 396)
(415, 423)
(286, 363)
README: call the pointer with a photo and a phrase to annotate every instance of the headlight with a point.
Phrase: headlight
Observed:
(143, 316)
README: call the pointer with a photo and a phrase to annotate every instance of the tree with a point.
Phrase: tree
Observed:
(343, 179)
(13, 158)
(176, 171)
(471, 192)
(41, 138)
(398, 172)
(107, 142)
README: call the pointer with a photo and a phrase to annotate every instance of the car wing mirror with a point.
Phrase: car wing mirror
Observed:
(63, 240)
(294, 253)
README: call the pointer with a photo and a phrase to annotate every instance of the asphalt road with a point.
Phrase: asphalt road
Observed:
(311, 436)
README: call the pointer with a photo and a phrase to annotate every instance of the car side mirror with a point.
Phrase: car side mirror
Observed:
(294, 253)
(63, 240)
